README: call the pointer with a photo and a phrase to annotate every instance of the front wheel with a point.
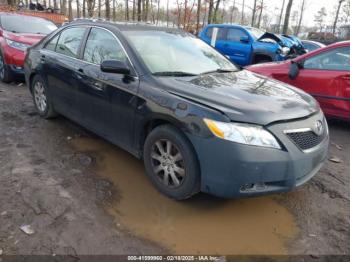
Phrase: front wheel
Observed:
(6, 75)
(171, 163)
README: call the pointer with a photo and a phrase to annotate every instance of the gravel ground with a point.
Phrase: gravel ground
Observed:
(52, 202)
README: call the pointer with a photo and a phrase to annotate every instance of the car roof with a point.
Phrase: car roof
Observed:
(124, 26)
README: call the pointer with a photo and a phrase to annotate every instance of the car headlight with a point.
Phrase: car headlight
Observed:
(17, 45)
(285, 51)
(243, 133)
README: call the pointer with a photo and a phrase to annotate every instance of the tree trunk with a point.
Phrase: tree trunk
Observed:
(114, 10)
(90, 7)
(232, 11)
(99, 9)
(70, 10)
(158, 11)
(210, 11)
(167, 13)
(286, 18)
(55, 7)
(242, 17)
(108, 9)
(260, 14)
(253, 13)
(84, 8)
(336, 16)
(139, 11)
(216, 11)
(280, 17)
(198, 16)
(78, 8)
(301, 17)
(133, 10)
(64, 7)
(127, 10)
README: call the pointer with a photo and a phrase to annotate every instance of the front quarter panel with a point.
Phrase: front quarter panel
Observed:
(154, 104)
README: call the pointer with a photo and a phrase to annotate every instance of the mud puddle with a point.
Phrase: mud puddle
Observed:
(201, 225)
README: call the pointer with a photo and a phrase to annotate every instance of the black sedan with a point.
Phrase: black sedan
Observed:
(199, 122)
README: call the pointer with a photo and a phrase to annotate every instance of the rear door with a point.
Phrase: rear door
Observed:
(238, 46)
(107, 100)
(59, 62)
(327, 77)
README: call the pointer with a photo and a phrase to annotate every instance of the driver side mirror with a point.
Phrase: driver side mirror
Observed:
(244, 39)
(115, 66)
(294, 69)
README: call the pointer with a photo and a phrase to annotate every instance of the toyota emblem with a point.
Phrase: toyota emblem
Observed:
(318, 128)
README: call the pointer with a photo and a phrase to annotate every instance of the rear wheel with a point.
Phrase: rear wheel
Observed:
(41, 99)
(171, 163)
(6, 75)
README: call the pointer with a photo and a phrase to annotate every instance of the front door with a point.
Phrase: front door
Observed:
(106, 99)
(326, 76)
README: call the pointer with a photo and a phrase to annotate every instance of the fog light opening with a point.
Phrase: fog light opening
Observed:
(253, 187)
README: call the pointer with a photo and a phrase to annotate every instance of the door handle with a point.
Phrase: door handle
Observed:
(97, 85)
(80, 73)
(42, 58)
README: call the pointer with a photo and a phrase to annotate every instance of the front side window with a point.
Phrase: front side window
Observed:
(27, 24)
(234, 34)
(176, 51)
(337, 59)
(69, 41)
(102, 45)
(51, 45)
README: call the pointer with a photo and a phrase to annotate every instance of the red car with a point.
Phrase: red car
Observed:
(323, 73)
(17, 33)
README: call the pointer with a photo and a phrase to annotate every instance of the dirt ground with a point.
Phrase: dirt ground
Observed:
(77, 194)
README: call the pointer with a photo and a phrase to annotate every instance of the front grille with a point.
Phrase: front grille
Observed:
(306, 139)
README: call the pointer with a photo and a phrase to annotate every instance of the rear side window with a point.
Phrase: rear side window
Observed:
(51, 45)
(221, 33)
(234, 34)
(69, 41)
(102, 45)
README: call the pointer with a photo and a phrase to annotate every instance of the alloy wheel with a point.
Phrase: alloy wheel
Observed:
(168, 163)
(40, 96)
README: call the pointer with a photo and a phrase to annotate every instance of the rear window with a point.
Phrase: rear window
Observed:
(27, 24)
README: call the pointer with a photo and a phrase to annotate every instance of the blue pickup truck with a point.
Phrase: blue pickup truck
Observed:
(248, 45)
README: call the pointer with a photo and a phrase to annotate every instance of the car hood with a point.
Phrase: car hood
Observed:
(282, 40)
(29, 39)
(244, 96)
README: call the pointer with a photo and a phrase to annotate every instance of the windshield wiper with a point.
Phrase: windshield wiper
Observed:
(173, 73)
(219, 70)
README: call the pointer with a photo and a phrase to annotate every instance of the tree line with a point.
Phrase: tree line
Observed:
(192, 15)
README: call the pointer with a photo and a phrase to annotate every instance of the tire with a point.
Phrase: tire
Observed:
(6, 74)
(41, 99)
(183, 167)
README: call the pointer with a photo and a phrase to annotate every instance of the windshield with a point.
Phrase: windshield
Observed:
(178, 52)
(27, 24)
(257, 33)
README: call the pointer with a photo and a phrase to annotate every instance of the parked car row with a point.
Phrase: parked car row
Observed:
(323, 73)
(198, 121)
(248, 45)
